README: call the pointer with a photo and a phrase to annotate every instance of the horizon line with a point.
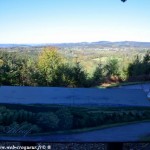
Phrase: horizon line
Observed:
(42, 43)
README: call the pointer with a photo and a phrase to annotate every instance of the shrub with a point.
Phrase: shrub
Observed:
(47, 121)
(65, 119)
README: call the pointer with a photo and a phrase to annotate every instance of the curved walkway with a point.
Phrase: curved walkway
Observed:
(126, 133)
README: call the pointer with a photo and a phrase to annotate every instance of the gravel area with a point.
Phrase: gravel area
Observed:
(73, 96)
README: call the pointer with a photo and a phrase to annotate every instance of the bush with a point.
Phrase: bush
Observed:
(81, 120)
(47, 121)
(65, 119)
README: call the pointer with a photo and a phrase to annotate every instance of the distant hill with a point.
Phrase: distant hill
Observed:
(86, 44)
(106, 44)
(13, 45)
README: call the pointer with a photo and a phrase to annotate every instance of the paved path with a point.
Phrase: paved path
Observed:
(74, 96)
(145, 87)
(126, 133)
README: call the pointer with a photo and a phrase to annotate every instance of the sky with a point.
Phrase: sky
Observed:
(64, 21)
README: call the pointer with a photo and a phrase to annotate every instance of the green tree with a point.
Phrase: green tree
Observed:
(112, 69)
(71, 75)
(1, 62)
(139, 69)
(79, 76)
(146, 63)
(135, 67)
(48, 62)
(98, 75)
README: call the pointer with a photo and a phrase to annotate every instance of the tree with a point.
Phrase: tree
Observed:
(140, 68)
(133, 68)
(71, 75)
(79, 75)
(48, 62)
(111, 68)
(98, 75)
(30, 74)
(146, 63)
(66, 76)
(1, 62)
(11, 69)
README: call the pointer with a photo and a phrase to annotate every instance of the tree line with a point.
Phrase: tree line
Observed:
(50, 68)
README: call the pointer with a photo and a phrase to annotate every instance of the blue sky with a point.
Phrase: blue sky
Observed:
(56, 21)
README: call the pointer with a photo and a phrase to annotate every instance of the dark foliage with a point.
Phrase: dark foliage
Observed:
(140, 68)
(61, 119)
